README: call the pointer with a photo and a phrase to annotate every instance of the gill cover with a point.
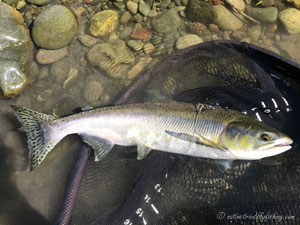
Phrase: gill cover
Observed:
(248, 135)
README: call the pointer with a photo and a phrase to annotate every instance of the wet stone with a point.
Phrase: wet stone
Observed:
(87, 40)
(225, 19)
(125, 33)
(290, 18)
(132, 7)
(152, 13)
(92, 91)
(148, 48)
(15, 52)
(125, 17)
(238, 4)
(136, 69)
(138, 18)
(113, 57)
(103, 23)
(197, 28)
(54, 28)
(199, 11)
(254, 32)
(268, 14)
(267, 3)
(45, 56)
(188, 40)
(141, 33)
(136, 45)
(166, 22)
(39, 2)
(144, 8)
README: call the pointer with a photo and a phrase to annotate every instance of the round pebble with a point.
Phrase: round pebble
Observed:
(54, 27)
(92, 91)
(103, 23)
(188, 40)
(290, 18)
(45, 56)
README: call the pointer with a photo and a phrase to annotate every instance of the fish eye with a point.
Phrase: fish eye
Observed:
(265, 137)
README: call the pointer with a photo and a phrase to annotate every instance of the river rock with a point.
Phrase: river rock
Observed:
(125, 33)
(103, 23)
(197, 28)
(45, 56)
(54, 27)
(268, 14)
(87, 40)
(225, 19)
(254, 32)
(238, 4)
(297, 3)
(16, 52)
(267, 3)
(291, 46)
(166, 22)
(92, 91)
(136, 69)
(113, 57)
(132, 7)
(39, 2)
(188, 40)
(141, 33)
(199, 11)
(290, 18)
(144, 8)
(136, 45)
(125, 17)
(148, 48)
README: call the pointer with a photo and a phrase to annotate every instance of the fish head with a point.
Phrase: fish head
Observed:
(250, 139)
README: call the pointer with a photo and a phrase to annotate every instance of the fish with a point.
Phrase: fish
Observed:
(197, 130)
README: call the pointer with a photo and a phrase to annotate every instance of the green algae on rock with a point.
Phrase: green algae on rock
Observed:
(113, 57)
(39, 2)
(166, 22)
(103, 23)
(54, 27)
(15, 52)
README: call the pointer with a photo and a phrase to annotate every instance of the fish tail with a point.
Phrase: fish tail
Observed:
(33, 123)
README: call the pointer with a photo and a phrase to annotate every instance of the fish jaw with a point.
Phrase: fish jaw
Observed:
(277, 147)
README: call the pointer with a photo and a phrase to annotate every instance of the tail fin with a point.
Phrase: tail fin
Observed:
(31, 122)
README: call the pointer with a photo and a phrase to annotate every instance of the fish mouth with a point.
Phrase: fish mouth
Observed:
(278, 144)
(274, 148)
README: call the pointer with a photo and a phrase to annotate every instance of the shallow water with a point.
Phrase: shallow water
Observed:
(74, 81)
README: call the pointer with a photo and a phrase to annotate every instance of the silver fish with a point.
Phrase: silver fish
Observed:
(196, 130)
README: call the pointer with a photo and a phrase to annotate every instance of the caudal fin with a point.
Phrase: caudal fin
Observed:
(32, 122)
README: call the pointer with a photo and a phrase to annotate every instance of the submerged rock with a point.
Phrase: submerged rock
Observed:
(188, 40)
(199, 11)
(44, 56)
(136, 69)
(103, 23)
(166, 22)
(54, 27)
(39, 2)
(225, 19)
(92, 91)
(290, 18)
(113, 57)
(268, 14)
(15, 52)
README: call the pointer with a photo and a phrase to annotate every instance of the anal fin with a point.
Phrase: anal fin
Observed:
(101, 146)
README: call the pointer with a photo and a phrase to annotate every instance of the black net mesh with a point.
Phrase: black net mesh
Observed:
(174, 189)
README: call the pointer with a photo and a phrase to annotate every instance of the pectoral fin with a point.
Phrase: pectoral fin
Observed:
(101, 146)
(143, 151)
(195, 139)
